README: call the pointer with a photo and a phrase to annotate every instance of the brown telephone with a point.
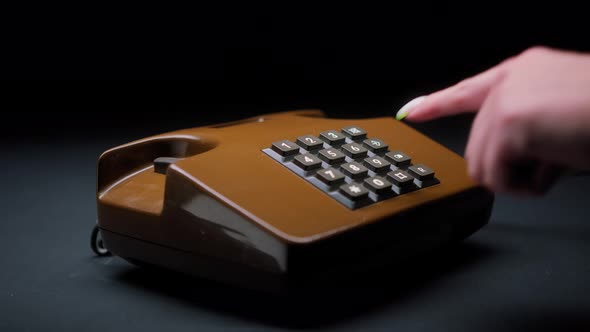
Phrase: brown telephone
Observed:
(282, 199)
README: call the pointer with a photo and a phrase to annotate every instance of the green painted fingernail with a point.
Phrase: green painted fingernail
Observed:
(407, 108)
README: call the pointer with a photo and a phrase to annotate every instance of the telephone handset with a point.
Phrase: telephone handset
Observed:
(284, 199)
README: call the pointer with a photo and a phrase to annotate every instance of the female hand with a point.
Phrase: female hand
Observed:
(533, 119)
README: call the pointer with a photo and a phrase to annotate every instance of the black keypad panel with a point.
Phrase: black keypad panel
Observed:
(355, 169)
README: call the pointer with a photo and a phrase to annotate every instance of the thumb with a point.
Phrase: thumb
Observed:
(465, 96)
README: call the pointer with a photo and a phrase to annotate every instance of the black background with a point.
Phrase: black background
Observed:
(133, 72)
(74, 88)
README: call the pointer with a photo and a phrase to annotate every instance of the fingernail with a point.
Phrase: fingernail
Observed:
(407, 108)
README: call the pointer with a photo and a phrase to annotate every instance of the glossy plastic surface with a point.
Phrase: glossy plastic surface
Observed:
(225, 201)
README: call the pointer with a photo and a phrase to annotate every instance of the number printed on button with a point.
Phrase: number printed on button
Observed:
(378, 182)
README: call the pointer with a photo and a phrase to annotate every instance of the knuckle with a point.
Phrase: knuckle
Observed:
(535, 51)
(461, 94)
(507, 114)
(511, 134)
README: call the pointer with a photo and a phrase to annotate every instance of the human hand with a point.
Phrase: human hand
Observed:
(533, 119)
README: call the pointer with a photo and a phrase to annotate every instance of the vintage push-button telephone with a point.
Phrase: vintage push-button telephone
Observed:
(283, 199)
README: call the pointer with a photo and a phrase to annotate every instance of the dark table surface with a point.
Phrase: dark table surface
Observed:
(528, 269)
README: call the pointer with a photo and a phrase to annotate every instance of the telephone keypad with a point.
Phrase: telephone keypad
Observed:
(355, 170)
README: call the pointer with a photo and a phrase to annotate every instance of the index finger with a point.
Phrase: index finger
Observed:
(465, 96)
